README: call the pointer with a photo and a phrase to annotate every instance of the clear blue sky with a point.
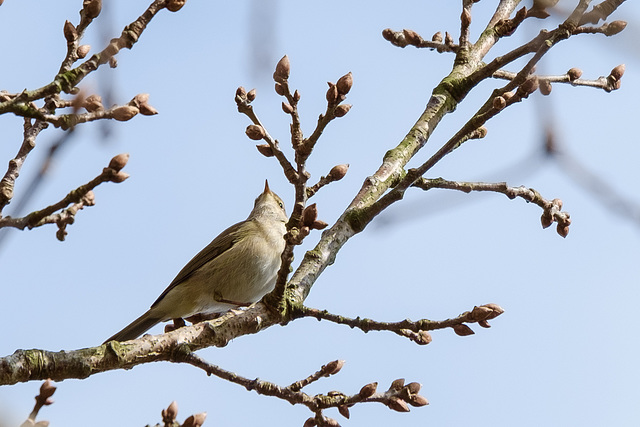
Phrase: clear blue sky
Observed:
(564, 353)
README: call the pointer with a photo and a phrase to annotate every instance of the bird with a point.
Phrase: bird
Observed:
(236, 269)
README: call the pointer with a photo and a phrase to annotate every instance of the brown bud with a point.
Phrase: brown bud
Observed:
(310, 422)
(279, 89)
(546, 220)
(304, 232)
(479, 133)
(528, 87)
(83, 50)
(387, 33)
(341, 110)
(557, 202)
(251, 95)
(92, 8)
(614, 28)
(171, 412)
(499, 103)
(175, 5)
(89, 199)
(333, 367)
(368, 390)
(412, 37)
(265, 150)
(93, 103)
(481, 313)
(124, 113)
(309, 215)
(283, 68)
(344, 411)
(119, 177)
(255, 132)
(296, 96)
(507, 96)
(344, 83)
(448, 39)
(287, 108)
(398, 405)
(563, 230)
(332, 93)
(118, 162)
(437, 37)
(338, 172)
(465, 18)
(418, 400)
(463, 330)
(319, 225)
(574, 74)
(414, 388)
(484, 323)
(139, 99)
(113, 62)
(330, 422)
(397, 384)
(618, 72)
(70, 32)
(47, 389)
(147, 110)
(545, 87)
(423, 338)
(497, 310)
(241, 92)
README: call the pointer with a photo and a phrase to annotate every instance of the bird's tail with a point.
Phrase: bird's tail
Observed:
(139, 326)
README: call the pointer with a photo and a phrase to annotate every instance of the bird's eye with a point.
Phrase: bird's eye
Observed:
(281, 204)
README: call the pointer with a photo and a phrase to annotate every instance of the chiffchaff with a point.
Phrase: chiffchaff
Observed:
(237, 268)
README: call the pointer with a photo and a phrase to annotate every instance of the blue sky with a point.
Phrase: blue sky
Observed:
(564, 352)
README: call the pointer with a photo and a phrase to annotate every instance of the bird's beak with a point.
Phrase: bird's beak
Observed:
(266, 187)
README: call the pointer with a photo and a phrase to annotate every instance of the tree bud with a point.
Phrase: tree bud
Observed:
(423, 338)
(319, 225)
(574, 74)
(287, 108)
(279, 89)
(93, 103)
(397, 384)
(170, 413)
(309, 215)
(47, 389)
(563, 230)
(484, 324)
(341, 110)
(344, 411)
(528, 87)
(124, 113)
(92, 8)
(344, 83)
(614, 28)
(387, 34)
(70, 32)
(448, 39)
(119, 177)
(118, 162)
(465, 18)
(414, 387)
(499, 103)
(545, 87)
(333, 367)
(618, 72)
(241, 92)
(251, 95)
(83, 50)
(437, 37)
(368, 390)
(338, 172)
(463, 330)
(113, 62)
(546, 220)
(296, 96)
(332, 93)
(412, 37)
(418, 401)
(255, 132)
(147, 110)
(265, 150)
(283, 68)
(175, 5)
(398, 405)
(310, 422)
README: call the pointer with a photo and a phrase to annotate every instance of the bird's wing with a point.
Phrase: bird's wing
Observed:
(220, 244)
